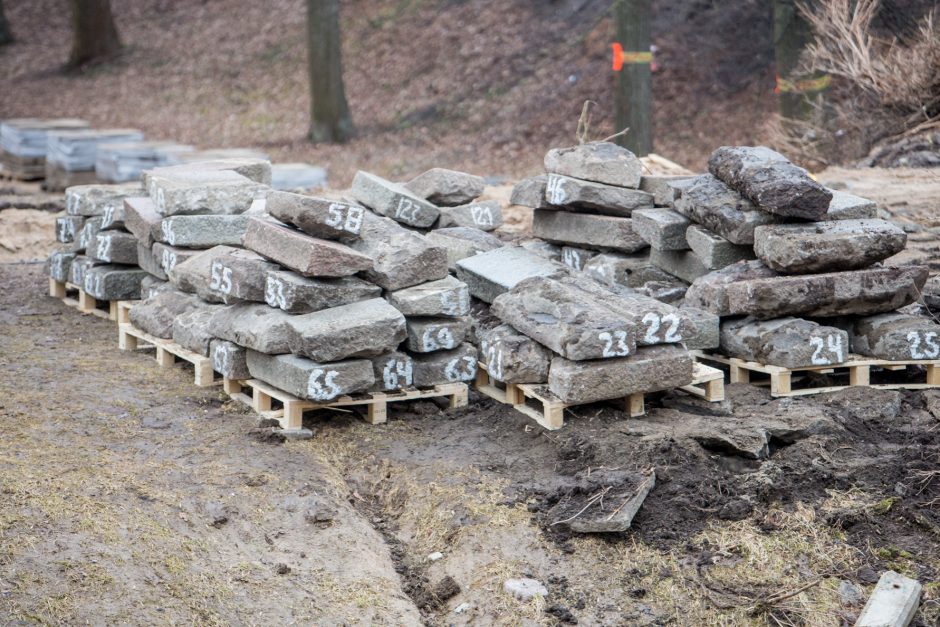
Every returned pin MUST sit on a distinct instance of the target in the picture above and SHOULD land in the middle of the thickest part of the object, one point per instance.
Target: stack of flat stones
(123, 162)
(71, 154)
(794, 270)
(585, 209)
(24, 142)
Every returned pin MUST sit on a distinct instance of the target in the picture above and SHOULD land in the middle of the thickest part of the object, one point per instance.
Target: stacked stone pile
(24, 143)
(125, 161)
(793, 269)
(71, 154)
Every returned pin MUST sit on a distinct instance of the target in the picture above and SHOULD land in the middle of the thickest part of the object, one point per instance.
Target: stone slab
(113, 217)
(446, 188)
(564, 191)
(67, 228)
(311, 380)
(366, 328)
(448, 297)
(223, 275)
(59, 263)
(454, 366)
(202, 231)
(141, 219)
(115, 247)
(512, 357)
(601, 162)
(596, 232)
(486, 216)
(893, 603)
(203, 192)
(714, 251)
(191, 330)
(400, 257)
(310, 256)
(683, 264)
(530, 192)
(169, 256)
(229, 359)
(786, 342)
(712, 204)
(661, 228)
(320, 217)
(79, 266)
(426, 334)
(543, 249)
(576, 258)
(662, 188)
(94, 200)
(296, 294)
(461, 242)
(393, 200)
(149, 263)
(155, 314)
(490, 274)
(88, 237)
(706, 334)
(393, 371)
(255, 169)
(113, 282)
(845, 206)
(253, 326)
(896, 336)
(616, 268)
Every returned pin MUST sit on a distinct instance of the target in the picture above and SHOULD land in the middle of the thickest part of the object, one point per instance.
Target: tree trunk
(329, 112)
(96, 37)
(797, 92)
(6, 35)
(633, 96)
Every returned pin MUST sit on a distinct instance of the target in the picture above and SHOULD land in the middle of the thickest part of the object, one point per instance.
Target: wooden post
(633, 94)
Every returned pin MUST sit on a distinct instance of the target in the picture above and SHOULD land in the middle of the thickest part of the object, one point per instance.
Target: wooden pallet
(291, 414)
(129, 338)
(82, 301)
(707, 383)
(858, 368)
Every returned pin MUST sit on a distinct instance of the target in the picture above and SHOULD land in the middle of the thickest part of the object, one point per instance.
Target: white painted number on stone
(461, 369)
(833, 345)
(481, 215)
(923, 345)
(455, 302)
(221, 278)
(494, 362)
(669, 323)
(615, 344)
(437, 338)
(222, 359)
(275, 293)
(103, 251)
(571, 258)
(398, 374)
(554, 190)
(109, 215)
(345, 217)
(406, 210)
(169, 260)
(321, 385)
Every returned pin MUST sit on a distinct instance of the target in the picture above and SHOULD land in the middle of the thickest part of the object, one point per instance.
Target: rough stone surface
(149, 262)
(155, 315)
(512, 357)
(229, 359)
(564, 191)
(661, 228)
(490, 274)
(524, 589)
(115, 247)
(319, 217)
(67, 228)
(713, 250)
(576, 258)
(462, 242)
(393, 371)
(706, 334)
(845, 206)
(651, 369)
(113, 217)
(931, 294)
(311, 380)
(486, 215)
(111, 282)
(203, 231)
(662, 188)
(896, 336)
(253, 169)
(562, 318)
(448, 297)
(223, 275)
(602, 162)
(310, 256)
(141, 219)
(458, 365)
(366, 328)
(393, 200)
(530, 192)
(893, 603)
(94, 200)
(447, 188)
(80, 265)
(218, 192)
(786, 342)
(543, 249)
(615, 268)
(827, 246)
(751, 288)
(426, 335)
(709, 202)
(597, 232)
(400, 258)
(151, 286)
(667, 292)
(253, 326)
(88, 238)
(684, 264)
(296, 294)
(170, 256)
(770, 181)
(59, 263)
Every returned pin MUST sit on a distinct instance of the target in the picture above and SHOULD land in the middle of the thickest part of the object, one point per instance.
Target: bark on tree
(95, 35)
(633, 95)
(6, 35)
(797, 92)
(329, 112)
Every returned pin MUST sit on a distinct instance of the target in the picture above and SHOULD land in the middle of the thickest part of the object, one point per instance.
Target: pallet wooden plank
(56, 288)
(129, 337)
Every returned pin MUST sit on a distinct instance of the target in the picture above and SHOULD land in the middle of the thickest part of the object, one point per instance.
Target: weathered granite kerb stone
(490, 274)
(113, 282)
(564, 191)
(616, 268)
(661, 228)
(88, 238)
(296, 294)
(713, 250)
(113, 217)
(393, 371)
(115, 247)
(566, 320)
(393, 200)
(684, 264)
(896, 336)
(223, 275)
(79, 266)
(720, 209)
(169, 256)
(588, 231)
(229, 360)
(310, 256)
(512, 357)
(530, 192)
(310, 380)
(751, 288)
(576, 258)
(218, 192)
(426, 335)
(149, 263)
(707, 330)
(191, 330)
(602, 162)
(845, 206)
(319, 217)
(827, 246)
(67, 228)
(786, 342)
(155, 315)
(141, 219)
(203, 231)
(440, 367)
(448, 297)
(367, 328)
(650, 370)
(94, 200)
(254, 326)
(662, 188)
(401, 258)
(59, 264)
(486, 215)
(770, 181)
(253, 169)
(150, 286)
(543, 249)
(462, 242)
(447, 188)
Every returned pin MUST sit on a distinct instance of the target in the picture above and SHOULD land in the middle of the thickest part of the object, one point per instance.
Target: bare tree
(329, 112)
(6, 35)
(95, 35)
